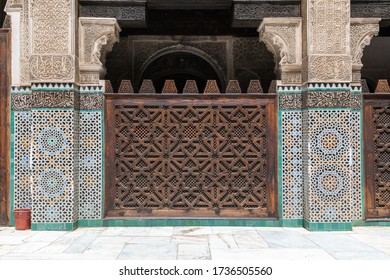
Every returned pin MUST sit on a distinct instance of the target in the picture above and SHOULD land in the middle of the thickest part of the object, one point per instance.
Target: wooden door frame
(5, 76)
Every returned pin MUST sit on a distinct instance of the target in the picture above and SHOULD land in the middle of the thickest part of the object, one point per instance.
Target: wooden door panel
(377, 156)
(192, 156)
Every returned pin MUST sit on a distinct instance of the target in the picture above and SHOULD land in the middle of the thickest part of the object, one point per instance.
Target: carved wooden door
(190, 155)
(377, 155)
(4, 126)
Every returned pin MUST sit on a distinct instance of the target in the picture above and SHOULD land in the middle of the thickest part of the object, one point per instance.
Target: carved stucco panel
(25, 44)
(97, 36)
(50, 26)
(283, 37)
(52, 68)
(362, 31)
(329, 22)
(329, 68)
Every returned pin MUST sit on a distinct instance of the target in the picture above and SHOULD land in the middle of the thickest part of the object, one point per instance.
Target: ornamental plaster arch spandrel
(97, 36)
(283, 38)
(362, 31)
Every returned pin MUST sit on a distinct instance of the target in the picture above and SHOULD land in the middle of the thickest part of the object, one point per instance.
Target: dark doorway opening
(180, 67)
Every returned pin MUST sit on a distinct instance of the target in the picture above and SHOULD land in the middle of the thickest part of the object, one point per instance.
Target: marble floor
(196, 243)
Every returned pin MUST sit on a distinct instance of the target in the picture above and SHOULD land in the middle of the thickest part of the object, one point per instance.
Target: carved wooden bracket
(362, 31)
(97, 36)
(283, 37)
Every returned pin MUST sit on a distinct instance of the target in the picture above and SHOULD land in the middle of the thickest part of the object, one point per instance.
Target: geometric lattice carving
(126, 87)
(147, 87)
(190, 87)
(365, 88)
(211, 87)
(272, 87)
(190, 159)
(169, 87)
(255, 87)
(233, 87)
(382, 87)
(381, 117)
(108, 86)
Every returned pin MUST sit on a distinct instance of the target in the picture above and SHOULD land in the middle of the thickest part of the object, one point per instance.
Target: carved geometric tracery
(199, 158)
(381, 117)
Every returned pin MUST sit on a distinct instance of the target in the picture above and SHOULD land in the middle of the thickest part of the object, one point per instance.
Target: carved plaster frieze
(60, 68)
(329, 68)
(97, 37)
(290, 101)
(362, 31)
(283, 37)
(91, 101)
(55, 99)
(13, 4)
(326, 99)
(21, 102)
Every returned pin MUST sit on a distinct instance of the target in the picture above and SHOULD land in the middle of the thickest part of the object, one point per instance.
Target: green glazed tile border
(361, 223)
(292, 223)
(54, 226)
(176, 222)
(280, 165)
(362, 178)
(103, 164)
(12, 179)
(90, 223)
(327, 226)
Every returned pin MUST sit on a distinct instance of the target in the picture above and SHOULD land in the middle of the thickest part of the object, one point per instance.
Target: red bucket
(22, 218)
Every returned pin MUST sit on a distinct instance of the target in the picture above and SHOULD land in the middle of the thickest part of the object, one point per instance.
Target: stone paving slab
(195, 243)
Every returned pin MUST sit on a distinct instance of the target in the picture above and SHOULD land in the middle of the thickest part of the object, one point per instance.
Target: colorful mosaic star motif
(292, 165)
(21, 156)
(90, 165)
(356, 179)
(326, 161)
(54, 165)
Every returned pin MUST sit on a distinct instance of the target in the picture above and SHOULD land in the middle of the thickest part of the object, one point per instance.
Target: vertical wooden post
(5, 65)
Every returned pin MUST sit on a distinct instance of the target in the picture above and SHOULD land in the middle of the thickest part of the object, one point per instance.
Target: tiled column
(327, 74)
(97, 37)
(290, 153)
(52, 70)
(91, 155)
(54, 156)
(283, 37)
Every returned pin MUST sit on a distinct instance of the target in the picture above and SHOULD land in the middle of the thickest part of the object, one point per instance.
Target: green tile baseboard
(90, 223)
(327, 226)
(54, 226)
(192, 222)
(361, 223)
(292, 223)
